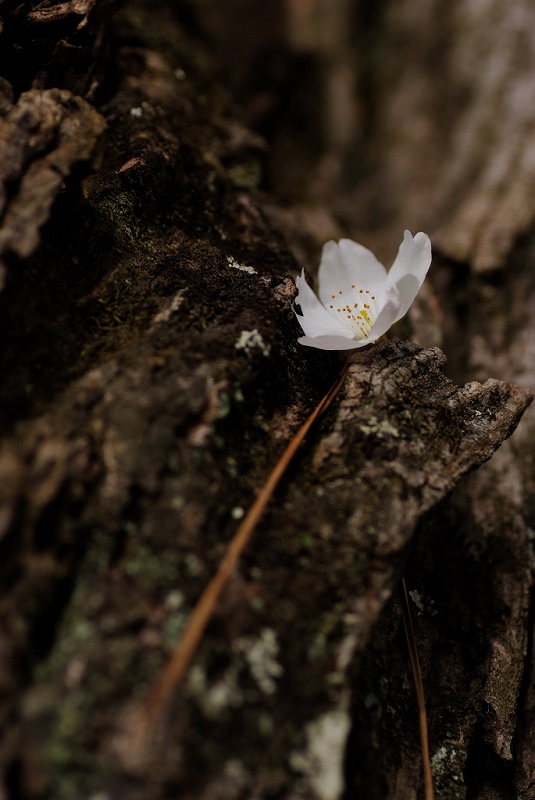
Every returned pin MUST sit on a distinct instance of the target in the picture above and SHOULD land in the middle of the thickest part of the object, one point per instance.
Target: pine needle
(174, 671)
(420, 696)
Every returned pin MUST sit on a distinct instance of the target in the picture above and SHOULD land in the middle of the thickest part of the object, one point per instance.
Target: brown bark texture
(164, 174)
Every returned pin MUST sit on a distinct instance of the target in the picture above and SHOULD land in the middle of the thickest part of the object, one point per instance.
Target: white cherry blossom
(358, 299)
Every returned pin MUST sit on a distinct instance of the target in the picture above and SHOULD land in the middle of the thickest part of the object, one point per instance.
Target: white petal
(358, 258)
(413, 258)
(407, 288)
(332, 342)
(400, 299)
(386, 317)
(316, 320)
(345, 264)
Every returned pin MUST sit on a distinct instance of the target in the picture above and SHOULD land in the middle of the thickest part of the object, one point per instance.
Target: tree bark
(152, 377)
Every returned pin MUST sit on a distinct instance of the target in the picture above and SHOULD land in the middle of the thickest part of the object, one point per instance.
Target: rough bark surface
(43, 136)
(51, 44)
(273, 680)
(151, 377)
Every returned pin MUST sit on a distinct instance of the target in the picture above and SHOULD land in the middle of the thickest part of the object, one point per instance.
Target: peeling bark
(42, 138)
(53, 44)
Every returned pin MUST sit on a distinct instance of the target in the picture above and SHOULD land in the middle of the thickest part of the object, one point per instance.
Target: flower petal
(386, 317)
(413, 258)
(345, 264)
(316, 320)
(332, 342)
(407, 288)
(400, 299)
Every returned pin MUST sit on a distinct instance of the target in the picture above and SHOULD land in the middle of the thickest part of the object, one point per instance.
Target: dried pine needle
(177, 666)
(420, 696)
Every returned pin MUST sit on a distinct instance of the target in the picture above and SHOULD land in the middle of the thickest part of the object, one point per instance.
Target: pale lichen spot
(168, 309)
(382, 429)
(175, 600)
(261, 654)
(250, 340)
(322, 760)
(416, 599)
(242, 267)
(447, 762)
(213, 699)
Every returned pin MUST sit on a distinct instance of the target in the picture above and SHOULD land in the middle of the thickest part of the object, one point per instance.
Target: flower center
(356, 308)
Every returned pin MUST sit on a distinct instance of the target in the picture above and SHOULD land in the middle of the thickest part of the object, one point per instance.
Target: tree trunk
(151, 377)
